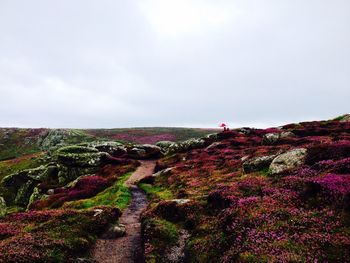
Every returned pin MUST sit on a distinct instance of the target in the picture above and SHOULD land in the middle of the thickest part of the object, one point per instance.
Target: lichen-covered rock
(79, 156)
(113, 148)
(52, 138)
(144, 151)
(165, 145)
(288, 160)
(187, 145)
(271, 138)
(35, 196)
(20, 185)
(68, 174)
(24, 193)
(3, 206)
(257, 163)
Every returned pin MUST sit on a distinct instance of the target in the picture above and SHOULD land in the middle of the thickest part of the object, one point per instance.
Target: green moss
(164, 230)
(116, 195)
(157, 192)
(163, 234)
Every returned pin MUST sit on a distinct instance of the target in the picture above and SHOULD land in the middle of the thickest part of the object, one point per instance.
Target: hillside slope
(273, 195)
(16, 142)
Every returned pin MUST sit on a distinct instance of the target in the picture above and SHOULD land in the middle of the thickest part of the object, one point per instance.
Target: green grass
(116, 195)
(15, 165)
(156, 192)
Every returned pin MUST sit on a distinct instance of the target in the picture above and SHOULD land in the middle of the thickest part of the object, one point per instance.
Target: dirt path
(127, 249)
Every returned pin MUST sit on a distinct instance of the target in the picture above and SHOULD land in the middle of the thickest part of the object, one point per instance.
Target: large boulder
(258, 163)
(288, 160)
(75, 161)
(144, 151)
(115, 149)
(19, 186)
(79, 156)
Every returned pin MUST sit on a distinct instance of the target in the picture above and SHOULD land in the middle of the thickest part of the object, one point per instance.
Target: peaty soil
(128, 248)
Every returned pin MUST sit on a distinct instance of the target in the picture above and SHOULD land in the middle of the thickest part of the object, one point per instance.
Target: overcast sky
(119, 63)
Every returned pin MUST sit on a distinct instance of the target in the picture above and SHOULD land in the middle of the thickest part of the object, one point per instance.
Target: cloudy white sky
(117, 63)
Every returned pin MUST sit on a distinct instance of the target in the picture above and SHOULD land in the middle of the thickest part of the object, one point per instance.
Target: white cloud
(178, 18)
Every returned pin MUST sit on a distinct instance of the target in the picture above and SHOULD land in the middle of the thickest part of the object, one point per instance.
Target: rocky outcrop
(52, 138)
(75, 161)
(288, 160)
(20, 185)
(144, 151)
(115, 149)
(257, 163)
(271, 138)
(177, 147)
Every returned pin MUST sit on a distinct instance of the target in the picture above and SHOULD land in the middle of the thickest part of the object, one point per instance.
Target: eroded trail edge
(128, 248)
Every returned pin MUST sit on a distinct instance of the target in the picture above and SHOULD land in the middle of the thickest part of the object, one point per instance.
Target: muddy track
(128, 248)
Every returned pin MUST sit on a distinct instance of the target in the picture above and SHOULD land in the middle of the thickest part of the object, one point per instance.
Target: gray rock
(258, 163)
(113, 148)
(3, 206)
(180, 201)
(288, 160)
(187, 145)
(163, 172)
(51, 138)
(213, 145)
(144, 151)
(115, 231)
(271, 138)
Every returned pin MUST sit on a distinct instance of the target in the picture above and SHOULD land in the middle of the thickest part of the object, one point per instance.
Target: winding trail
(127, 249)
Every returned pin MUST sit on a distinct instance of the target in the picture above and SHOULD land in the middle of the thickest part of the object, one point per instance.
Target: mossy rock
(79, 156)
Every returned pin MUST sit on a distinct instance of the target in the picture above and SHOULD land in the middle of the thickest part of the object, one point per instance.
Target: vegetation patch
(117, 195)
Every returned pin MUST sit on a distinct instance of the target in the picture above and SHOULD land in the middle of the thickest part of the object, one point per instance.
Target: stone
(22, 184)
(187, 145)
(144, 151)
(24, 193)
(288, 160)
(151, 178)
(115, 231)
(52, 138)
(79, 156)
(180, 201)
(3, 207)
(271, 138)
(258, 163)
(115, 149)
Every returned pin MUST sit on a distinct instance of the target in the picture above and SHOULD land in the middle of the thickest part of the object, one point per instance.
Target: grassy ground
(116, 195)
